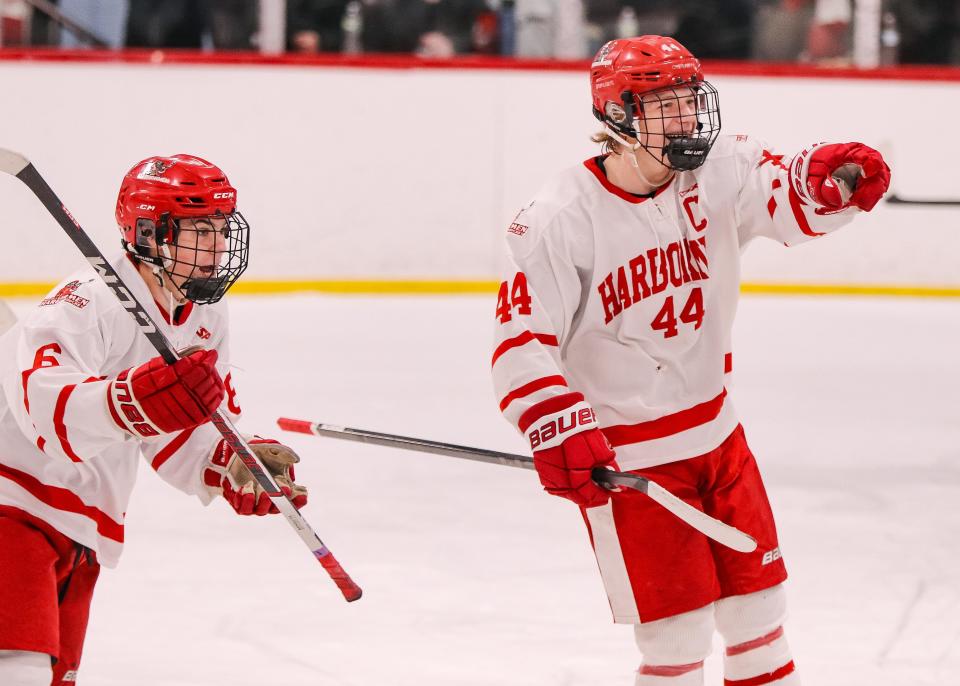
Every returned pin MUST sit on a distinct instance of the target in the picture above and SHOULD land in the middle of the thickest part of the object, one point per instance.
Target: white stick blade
(12, 162)
(712, 528)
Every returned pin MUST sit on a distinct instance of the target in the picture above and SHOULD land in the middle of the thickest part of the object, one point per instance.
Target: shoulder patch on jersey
(515, 226)
(67, 294)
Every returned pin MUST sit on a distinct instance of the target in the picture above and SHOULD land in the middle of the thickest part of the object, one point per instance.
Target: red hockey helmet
(162, 188)
(626, 70)
(157, 193)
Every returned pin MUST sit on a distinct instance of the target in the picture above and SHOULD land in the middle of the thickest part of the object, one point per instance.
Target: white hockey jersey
(631, 300)
(62, 457)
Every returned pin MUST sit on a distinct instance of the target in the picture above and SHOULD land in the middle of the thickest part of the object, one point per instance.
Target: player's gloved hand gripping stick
(713, 528)
(16, 165)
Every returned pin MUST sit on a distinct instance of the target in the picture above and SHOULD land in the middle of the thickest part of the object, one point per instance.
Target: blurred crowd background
(805, 31)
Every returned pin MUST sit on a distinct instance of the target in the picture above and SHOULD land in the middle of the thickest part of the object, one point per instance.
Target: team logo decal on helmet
(154, 170)
(649, 92)
(603, 54)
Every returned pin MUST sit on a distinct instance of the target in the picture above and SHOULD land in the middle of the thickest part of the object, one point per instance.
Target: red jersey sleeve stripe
(59, 427)
(532, 387)
(625, 434)
(170, 448)
(67, 501)
(728, 363)
(26, 377)
(772, 202)
(522, 339)
(797, 206)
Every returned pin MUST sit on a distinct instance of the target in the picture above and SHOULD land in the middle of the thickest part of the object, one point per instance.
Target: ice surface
(473, 576)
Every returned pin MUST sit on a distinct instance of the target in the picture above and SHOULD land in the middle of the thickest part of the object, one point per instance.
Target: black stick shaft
(422, 445)
(698, 519)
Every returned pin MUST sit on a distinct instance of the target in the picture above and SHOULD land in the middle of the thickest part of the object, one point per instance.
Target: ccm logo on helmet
(562, 425)
(146, 207)
(221, 196)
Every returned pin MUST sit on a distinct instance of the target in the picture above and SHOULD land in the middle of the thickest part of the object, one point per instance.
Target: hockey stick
(895, 199)
(701, 521)
(20, 167)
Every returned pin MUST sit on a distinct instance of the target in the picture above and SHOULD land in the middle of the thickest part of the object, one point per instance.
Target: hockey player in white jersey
(612, 347)
(85, 396)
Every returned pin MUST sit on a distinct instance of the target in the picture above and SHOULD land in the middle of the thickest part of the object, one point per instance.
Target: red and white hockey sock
(757, 652)
(674, 648)
(763, 660)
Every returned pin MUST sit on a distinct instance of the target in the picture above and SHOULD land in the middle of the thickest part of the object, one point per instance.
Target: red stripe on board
(59, 427)
(406, 61)
(545, 407)
(170, 448)
(67, 501)
(669, 670)
(625, 434)
(531, 387)
(728, 363)
(796, 204)
(763, 678)
(522, 339)
(747, 646)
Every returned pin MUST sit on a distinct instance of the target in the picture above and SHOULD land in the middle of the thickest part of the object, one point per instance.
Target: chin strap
(632, 147)
(159, 272)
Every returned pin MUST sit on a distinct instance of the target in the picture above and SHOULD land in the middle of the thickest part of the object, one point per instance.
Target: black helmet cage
(201, 287)
(681, 152)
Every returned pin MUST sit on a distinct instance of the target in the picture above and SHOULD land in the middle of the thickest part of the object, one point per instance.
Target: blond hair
(609, 143)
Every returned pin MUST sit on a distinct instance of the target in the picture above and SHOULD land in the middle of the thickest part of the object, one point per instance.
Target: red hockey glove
(567, 447)
(237, 485)
(860, 168)
(159, 398)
